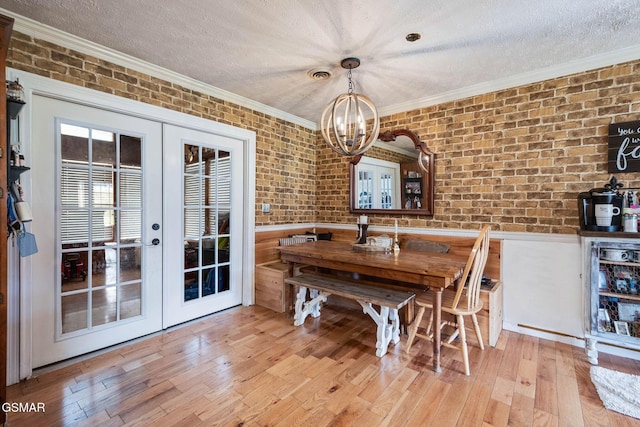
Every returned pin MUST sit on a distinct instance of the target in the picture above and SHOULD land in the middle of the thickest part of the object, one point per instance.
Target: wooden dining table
(417, 270)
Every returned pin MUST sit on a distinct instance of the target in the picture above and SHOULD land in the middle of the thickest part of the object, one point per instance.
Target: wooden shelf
(624, 263)
(13, 108)
(609, 234)
(621, 296)
(15, 172)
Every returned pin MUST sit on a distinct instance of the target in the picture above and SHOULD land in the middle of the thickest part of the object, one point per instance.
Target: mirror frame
(427, 178)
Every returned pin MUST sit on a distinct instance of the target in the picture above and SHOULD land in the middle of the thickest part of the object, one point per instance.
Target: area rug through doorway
(618, 391)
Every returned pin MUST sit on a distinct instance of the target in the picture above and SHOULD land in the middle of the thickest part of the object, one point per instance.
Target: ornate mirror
(395, 176)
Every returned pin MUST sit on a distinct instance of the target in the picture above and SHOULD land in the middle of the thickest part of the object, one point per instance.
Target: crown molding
(44, 32)
(567, 68)
(53, 35)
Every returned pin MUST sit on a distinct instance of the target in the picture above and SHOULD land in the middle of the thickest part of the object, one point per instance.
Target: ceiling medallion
(350, 122)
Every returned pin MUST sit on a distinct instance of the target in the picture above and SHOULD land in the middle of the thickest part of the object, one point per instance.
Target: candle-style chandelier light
(350, 123)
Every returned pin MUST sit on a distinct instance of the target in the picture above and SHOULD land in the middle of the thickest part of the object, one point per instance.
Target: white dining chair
(460, 302)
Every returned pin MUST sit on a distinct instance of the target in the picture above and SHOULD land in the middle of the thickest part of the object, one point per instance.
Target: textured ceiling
(263, 49)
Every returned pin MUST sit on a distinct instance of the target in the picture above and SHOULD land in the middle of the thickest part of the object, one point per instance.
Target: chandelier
(344, 122)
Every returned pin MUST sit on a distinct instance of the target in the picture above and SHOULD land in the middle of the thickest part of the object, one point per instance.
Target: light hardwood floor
(250, 367)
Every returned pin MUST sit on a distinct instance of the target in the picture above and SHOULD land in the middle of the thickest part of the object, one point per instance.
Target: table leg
(290, 294)
(437, 320)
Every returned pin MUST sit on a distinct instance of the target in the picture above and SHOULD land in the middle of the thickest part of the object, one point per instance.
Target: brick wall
(285, 152)
(516, 158)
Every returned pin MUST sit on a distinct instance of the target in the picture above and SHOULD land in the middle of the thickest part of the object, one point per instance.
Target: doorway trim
(34, 84)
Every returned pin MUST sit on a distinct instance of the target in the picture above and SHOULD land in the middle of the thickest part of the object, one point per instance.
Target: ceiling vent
(319, 74)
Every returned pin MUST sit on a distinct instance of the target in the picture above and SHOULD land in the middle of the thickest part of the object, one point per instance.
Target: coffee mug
(23, 211)
(615, 255)
(604, 213)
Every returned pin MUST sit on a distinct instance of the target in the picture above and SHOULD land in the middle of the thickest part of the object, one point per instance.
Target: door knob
(155, 242)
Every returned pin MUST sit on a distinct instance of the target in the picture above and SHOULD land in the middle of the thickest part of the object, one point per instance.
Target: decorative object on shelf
(610, 254)
(622, 328)
(344, 122)
(24, 211)
(630, 223)
(15, 91)
(628, 312)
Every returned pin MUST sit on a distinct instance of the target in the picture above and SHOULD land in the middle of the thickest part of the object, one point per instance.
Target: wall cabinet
(612, 290)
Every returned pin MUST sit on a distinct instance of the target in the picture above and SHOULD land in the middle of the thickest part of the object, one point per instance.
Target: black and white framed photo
(622, 328)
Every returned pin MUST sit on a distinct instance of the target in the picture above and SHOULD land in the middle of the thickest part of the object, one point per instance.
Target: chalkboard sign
(624, 147)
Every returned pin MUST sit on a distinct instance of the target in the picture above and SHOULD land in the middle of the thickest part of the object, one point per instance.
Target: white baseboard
(572, 340)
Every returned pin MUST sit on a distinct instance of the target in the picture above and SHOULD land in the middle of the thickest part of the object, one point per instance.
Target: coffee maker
(600, 209)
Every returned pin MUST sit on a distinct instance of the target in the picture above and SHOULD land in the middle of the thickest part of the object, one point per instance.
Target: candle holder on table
(362, 233)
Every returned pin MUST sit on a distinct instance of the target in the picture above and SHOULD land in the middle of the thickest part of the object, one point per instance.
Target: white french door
(97, 278)
(203, 175)
(140, 225)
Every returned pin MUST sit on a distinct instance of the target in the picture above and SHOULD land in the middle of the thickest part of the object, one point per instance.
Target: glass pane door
(377, 185)
(100, 228)
(203, 210)
(97, 277)
(207, 210)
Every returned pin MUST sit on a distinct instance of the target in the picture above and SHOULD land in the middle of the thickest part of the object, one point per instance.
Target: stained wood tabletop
(418, 268)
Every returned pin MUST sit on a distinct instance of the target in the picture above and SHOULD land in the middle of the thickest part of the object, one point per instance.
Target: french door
(203, 179)
(97, 203)
(138, 224)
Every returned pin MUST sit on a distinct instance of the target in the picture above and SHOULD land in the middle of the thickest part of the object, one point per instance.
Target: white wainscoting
(543, 286)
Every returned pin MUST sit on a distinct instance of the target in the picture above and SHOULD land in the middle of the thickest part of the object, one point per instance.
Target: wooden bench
(320, 287)
(271, 292)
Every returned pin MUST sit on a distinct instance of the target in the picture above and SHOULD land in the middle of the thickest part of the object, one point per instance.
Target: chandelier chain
(350, 91)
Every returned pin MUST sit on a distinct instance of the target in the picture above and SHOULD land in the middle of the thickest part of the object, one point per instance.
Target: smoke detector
(319, 74)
